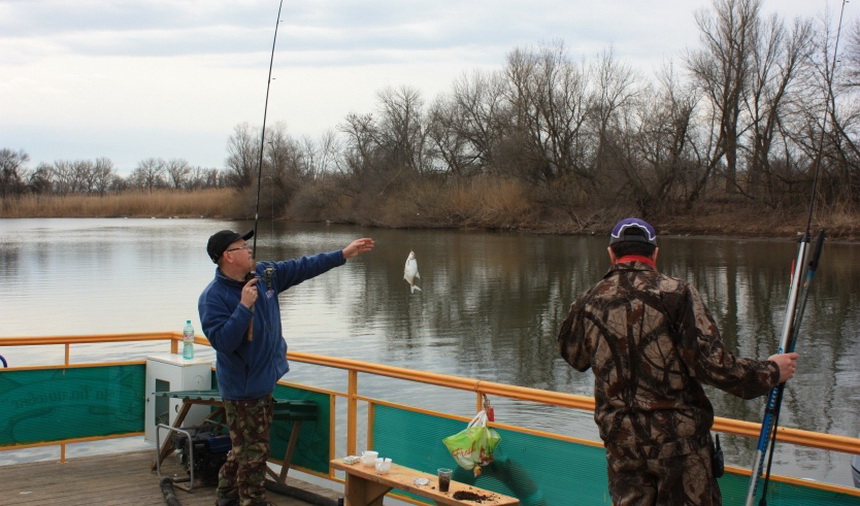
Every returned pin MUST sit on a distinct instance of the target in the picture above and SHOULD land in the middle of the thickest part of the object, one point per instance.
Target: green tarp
(55, 405)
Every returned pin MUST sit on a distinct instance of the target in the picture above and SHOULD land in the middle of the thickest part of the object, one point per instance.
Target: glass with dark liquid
(444, 479)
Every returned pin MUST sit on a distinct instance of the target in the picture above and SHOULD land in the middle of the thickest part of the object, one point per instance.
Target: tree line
(99, 177)
(749, 115)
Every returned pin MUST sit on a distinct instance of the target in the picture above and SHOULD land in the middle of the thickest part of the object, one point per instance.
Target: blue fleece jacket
(249, 369)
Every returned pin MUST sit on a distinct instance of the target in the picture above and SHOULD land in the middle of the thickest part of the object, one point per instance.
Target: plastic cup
(444, 479)
(368, 458)
(383, 465)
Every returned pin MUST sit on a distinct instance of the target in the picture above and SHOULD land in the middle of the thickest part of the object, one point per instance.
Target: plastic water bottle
(188, 341)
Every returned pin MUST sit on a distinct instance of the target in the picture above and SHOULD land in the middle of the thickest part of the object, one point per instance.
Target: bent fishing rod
(803, 273)
(269, 270)
(263, 132)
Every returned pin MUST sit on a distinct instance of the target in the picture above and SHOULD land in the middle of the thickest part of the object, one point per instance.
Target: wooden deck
(120, 479)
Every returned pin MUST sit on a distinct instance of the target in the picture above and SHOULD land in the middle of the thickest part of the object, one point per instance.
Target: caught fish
(410, 272)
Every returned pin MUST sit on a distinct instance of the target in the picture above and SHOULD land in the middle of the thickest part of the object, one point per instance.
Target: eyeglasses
(247, 247)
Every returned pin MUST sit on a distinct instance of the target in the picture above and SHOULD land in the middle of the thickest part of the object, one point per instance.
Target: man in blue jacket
(241, 317)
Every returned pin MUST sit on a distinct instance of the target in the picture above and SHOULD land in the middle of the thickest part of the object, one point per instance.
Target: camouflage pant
(242, 475)
(685, 480)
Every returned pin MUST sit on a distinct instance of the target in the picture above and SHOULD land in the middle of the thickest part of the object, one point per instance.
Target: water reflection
(490, 308)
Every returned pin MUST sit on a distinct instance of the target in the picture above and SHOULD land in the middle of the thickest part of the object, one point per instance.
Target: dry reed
(482, 202)
(133, 204)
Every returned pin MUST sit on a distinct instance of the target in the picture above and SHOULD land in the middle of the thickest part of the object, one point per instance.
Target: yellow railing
(68, 340)
(354, 367)
(726, 425)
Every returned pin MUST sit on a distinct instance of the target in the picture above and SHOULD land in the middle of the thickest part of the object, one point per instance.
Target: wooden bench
(282, 410)
(367, 487)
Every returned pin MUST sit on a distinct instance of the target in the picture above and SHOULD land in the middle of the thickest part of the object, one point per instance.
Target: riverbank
(501, 209)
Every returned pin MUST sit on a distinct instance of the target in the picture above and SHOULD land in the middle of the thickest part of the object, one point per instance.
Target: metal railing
(480, 388)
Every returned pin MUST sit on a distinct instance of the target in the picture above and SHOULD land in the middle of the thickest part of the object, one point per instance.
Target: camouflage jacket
(652, 343)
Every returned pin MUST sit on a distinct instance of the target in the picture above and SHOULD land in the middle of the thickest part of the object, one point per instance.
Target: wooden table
(367, 487)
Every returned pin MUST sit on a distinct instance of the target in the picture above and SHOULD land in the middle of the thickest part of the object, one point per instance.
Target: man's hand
(249, 293)
(358, 247)
(787, 363)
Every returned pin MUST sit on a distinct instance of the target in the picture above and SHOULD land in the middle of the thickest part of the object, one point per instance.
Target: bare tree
(449, 140)
(660, 159)
(550, 104)
(12, 167)
(328, 151)
(833, 138)
(41, 179)
(778, 59)
(212, 178)
(103, 176)
(284, 169)
(613, 96)
(177, 171)
(149, 174)
(467, 127)
(244, 156)
(117, 183)
(402, 131)
(721, 68)
(198, 178)
(84, 174)
(63, 177)
(852, 57)
(362, 143)
(310, 156)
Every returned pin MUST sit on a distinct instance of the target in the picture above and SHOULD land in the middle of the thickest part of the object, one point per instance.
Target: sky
(172, 79)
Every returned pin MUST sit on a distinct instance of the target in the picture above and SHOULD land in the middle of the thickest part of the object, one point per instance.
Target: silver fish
(410, 272)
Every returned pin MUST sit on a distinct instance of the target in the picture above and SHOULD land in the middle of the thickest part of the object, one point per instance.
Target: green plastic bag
(473, 447)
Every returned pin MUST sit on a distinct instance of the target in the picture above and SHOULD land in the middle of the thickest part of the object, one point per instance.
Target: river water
(490, 308)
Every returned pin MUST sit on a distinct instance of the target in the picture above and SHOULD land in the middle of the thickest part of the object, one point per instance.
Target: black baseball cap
(633, 229)
(219, 241)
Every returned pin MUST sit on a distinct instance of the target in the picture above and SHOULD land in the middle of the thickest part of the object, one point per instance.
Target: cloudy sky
(128, 80)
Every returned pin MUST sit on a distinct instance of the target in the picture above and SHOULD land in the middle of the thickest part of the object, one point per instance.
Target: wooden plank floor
(117, 479)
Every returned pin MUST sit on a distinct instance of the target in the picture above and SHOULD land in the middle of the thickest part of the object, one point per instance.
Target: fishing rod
(263, 132)
(269, 270)
(813, 266)
(797, 298)
(774, 398)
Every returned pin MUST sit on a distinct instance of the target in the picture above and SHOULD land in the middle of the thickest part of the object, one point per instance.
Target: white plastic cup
(383, 465)
(368, 458)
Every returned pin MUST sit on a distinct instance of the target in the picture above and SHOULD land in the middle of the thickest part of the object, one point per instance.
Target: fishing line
(829, 77)
(794, 313)
(263, 132)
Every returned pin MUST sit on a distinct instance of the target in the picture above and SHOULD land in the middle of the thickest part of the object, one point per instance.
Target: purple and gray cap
(633, 229)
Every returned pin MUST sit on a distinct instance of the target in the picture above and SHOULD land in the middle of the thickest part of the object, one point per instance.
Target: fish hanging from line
(410, 272)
